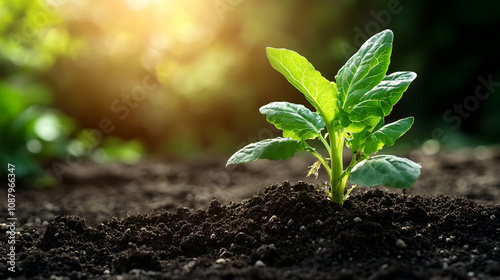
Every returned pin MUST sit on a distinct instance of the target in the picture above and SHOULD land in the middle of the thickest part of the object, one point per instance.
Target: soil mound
(287, 231)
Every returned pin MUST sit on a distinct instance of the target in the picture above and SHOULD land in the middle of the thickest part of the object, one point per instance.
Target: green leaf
(320, 92)
(296, 121)
(387, 135)
(366, 114)
(356, 141)
(365, 69)
(378, 102)
(390, 90)
(386, 170)
(273, 149)
(379, 124)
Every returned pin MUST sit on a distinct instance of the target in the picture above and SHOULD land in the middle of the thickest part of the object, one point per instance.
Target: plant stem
(349, 168)
(338, 182)
(325, 143)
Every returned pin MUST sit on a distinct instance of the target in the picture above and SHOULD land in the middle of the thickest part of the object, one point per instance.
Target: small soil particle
(400, 244)
(259, 263)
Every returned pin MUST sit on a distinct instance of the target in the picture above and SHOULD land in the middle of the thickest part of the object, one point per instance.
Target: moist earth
(194, 219)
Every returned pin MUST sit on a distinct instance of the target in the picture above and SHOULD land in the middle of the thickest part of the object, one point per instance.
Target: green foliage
(273, 149)
(353, 113)
(296, 121)
(320, 92)
(31, 131)
(114, 149)
(34, 37)
(385, 170)
(34, 134)
(364, 70)
(385, 135)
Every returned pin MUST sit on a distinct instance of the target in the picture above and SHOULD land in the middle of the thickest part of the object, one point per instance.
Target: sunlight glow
(137, 5)
(153, 32)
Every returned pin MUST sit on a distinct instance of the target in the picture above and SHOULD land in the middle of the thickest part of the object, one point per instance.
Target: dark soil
(127, 222)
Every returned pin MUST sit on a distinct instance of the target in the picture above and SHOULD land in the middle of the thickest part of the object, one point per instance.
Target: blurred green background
(117, 80)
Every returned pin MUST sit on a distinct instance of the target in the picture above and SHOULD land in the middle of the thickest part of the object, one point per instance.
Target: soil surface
(195, 219)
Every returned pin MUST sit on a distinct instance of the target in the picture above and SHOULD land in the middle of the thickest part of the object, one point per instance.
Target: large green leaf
(386, 170)
(296, 121)
(273, 149)
(369, 109)
(365, 69)
(320, 92)
(387, 135)
(390, 90)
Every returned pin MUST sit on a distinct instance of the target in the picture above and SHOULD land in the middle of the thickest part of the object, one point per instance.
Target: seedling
(352, 110)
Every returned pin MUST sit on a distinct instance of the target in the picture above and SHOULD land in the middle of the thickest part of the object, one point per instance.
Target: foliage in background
(33, 132)
(30, 131)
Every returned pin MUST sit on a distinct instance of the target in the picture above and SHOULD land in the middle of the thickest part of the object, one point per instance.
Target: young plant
(352, 110)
